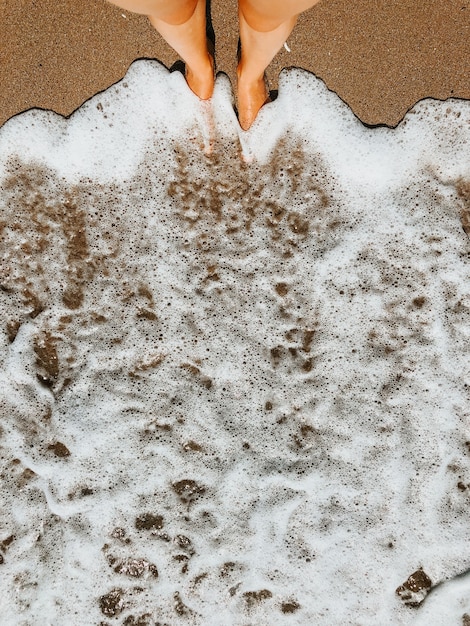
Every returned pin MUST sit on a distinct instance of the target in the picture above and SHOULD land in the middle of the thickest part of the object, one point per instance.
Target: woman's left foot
(202, 82)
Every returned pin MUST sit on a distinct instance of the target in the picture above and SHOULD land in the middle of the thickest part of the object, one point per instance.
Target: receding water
(235, 369)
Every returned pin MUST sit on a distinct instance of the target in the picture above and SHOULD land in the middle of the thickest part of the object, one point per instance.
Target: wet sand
(57, 55)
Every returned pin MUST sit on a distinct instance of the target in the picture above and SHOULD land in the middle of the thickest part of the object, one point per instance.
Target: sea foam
(235, 373)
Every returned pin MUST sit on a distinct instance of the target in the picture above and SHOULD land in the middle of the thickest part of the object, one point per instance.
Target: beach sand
(235, 390)
(57, 55)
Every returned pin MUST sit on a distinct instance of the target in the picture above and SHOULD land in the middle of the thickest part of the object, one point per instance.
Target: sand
(381, 62)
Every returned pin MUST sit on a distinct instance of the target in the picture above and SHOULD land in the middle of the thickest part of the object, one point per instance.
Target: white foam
(251, 373)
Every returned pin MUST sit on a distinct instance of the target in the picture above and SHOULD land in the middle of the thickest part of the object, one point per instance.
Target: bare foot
(252, 94)
(201, 80)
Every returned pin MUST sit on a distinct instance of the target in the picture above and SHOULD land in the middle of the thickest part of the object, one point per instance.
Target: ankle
(200, 77)
(248, 76)
(201, 66)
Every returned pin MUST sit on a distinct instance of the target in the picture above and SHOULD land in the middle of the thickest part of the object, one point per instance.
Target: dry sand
(380, 57)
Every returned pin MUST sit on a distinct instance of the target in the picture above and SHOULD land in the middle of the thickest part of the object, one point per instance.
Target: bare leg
(182, 23)
(264, 27)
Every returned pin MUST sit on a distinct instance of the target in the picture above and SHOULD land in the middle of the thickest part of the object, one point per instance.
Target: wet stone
(112, 603)
(61, 450)
(188, 490)
(183, 542)
(227, 568)
(134, 568)
(290, 607)
(131, 567)
(255, 597)
(414, 590)
(138, 620)
(118, 533)
(149, 521)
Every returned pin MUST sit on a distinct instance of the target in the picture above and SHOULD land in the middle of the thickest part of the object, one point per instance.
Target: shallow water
(234, 390)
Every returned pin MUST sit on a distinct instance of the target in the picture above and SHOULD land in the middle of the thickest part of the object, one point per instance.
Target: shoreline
(379, 63)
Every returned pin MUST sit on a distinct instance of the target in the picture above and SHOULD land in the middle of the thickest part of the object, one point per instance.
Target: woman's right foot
(252, 95)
